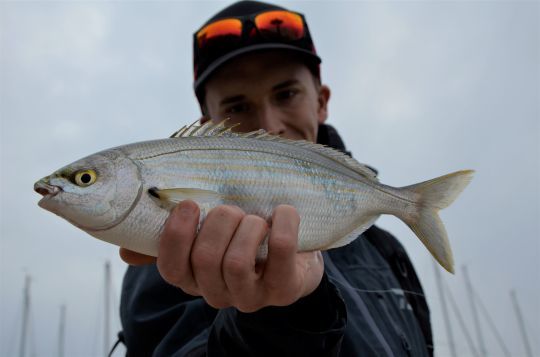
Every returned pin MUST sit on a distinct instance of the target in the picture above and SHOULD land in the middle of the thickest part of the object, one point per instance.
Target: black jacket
(369, 303)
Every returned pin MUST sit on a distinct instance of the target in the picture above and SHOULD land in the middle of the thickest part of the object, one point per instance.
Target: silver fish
(123, 195)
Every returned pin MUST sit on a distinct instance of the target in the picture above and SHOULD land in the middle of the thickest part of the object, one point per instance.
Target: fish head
(93, 193)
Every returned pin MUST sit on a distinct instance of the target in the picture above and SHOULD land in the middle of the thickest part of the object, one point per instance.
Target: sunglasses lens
(227, 29)
(280, 24)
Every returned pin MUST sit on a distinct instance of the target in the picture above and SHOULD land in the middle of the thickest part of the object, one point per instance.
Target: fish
(123, 195)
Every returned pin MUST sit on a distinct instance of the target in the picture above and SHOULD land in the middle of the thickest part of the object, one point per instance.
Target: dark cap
(205, 64)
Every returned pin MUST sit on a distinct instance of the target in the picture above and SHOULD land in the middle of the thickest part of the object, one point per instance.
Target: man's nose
(270, 120)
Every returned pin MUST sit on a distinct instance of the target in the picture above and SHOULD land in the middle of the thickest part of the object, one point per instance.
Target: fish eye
(85, 178)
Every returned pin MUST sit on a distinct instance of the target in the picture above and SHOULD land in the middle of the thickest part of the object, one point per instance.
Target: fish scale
(255, 190)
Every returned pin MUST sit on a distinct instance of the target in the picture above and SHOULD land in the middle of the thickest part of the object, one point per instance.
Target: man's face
(268, 90)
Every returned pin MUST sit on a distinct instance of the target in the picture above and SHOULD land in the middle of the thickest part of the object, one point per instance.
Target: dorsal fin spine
(211, 129)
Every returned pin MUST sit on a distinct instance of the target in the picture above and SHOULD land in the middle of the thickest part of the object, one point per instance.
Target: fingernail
(186, 208)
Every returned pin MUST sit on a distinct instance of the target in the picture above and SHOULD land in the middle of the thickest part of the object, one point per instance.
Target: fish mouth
(46, 190)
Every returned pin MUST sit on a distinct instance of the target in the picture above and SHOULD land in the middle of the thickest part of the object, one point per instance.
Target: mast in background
(26, 315)
(106, 330)
(62, 331)
(445, 311)
(521, 323)
(481, 345)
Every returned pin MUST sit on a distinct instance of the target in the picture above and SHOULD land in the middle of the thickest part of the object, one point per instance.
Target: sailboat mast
(26, 315)
(481, 345)
(106, 329)
(62, 331)
(521, 323)
(445, 311)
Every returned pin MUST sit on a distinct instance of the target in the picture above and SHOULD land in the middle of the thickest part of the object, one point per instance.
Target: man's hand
(219, 263)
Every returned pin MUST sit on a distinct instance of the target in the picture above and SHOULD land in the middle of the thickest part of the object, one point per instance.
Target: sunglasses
(270, 25)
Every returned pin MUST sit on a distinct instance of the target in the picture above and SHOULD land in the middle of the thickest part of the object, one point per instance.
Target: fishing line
(394, 291)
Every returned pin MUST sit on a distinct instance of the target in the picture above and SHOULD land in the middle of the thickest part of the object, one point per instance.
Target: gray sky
(419, 89)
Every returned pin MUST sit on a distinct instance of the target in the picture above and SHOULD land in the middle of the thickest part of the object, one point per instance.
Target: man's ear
(323, 98)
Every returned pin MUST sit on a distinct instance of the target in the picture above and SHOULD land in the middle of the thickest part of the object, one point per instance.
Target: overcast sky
(419, 89)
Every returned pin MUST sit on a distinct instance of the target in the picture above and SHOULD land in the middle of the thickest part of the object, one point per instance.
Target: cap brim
(258, 47)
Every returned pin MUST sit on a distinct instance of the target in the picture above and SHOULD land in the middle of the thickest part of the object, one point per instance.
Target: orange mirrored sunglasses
(277, 24)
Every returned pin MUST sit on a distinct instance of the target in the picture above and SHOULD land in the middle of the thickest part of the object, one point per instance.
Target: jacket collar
(329, 136)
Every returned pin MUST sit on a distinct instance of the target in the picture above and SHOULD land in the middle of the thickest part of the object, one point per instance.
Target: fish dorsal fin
(211, 129)
(334, 155)
(207, 129)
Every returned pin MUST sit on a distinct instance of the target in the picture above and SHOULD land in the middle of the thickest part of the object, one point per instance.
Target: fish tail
(434, 195)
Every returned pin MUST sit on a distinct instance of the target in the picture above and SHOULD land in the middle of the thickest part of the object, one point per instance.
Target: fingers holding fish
(176, 242)
(282, 250)
(239, 264)
(208, 251)
(220, 264)
(224, 263)
(286, 277)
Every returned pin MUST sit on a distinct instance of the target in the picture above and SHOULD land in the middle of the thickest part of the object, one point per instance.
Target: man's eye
(237, 108)
(286, 94)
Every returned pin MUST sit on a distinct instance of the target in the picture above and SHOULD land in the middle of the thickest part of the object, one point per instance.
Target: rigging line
(474, 312)
(492, 325)
(460, 320)
(521, 323)
(113, 348)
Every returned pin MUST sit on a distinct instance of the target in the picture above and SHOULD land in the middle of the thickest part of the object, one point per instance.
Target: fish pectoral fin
(169, 197)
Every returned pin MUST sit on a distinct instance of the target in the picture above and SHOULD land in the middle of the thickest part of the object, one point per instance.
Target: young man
(255, 63)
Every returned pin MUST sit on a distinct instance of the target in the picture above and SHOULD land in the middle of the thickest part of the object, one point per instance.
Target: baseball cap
(248, 26)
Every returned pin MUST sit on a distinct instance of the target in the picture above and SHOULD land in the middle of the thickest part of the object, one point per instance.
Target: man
(255, 63)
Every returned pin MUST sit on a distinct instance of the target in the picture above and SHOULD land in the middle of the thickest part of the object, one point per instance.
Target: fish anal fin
(348, 238)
